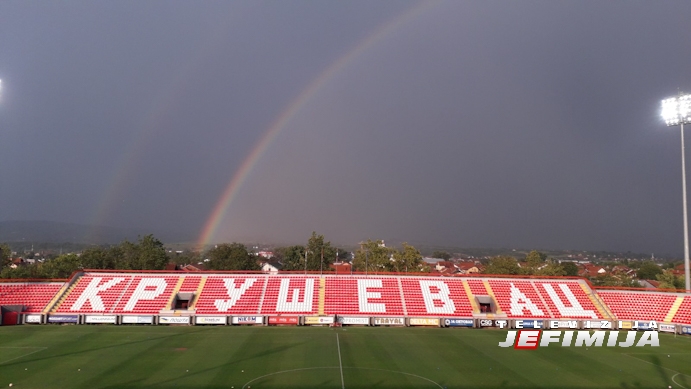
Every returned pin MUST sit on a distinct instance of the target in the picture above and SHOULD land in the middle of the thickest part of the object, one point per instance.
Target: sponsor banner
(364, 321)
(686, 330)
(487, 323)
(210, 320)
(458, 322)
(247, 320)
(529, 324)
(571, 324)
(668, 328)
(107, 319)
(63, 319)
(32, 319)
(389, 321)
(283, 320)
(173, 320)
(421, 321)
(625, 325)
(129, 319)
(319, 320)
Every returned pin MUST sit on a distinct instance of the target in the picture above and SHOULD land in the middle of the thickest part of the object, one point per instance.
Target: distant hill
(58, 232)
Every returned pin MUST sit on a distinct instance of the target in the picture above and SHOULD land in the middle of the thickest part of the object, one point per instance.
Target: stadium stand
(112, 292)
(632, 305)
(32, 295)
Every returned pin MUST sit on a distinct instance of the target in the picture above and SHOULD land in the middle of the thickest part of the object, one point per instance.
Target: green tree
(320, 254)
(62, 266)
(147, 254)
(502, 265)
(97, 258)
(648, 271)
(441, 255)
(551, 268)
(292, 257)
(5, 255)
(670, 281)
(408, 259)
(570, 268)
(232, 256)
(373, 256)
(534, 260)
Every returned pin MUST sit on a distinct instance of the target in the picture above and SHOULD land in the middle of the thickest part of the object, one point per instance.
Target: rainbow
(231, 190)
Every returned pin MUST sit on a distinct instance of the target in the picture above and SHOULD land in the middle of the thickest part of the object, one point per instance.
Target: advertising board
(247, 320)
(283, 320)
(173, 320)
(537, 324)
(210, 320)
(319, 320)
(686, 330)
(131, 319)
(668, 328)
(458, 322)
(389, 321)
(363, 321)
(63, 318)
(570, 324)
(104, 319)
(423, 321)
(625, 325)
(33, 319)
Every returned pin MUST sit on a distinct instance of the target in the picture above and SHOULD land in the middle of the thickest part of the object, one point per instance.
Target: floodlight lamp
(676, 110)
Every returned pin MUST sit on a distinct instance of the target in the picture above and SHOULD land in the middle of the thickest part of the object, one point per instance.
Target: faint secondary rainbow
(231, 190)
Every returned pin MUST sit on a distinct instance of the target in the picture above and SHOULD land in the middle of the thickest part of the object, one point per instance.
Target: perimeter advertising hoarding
(686, 330)
(536, 324)
(389, 321)
(625, 325)
(137, 319)
(173, 320)
(283, 320)
(423, 321)
(107, 319)
(63, 319)
(668, 328)
(458, 322)
(363, 321)
(319, 320)
(247, 320)
(32, 319)
(210, 320)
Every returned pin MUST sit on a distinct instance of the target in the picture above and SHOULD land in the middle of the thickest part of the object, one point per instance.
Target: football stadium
(112, 329)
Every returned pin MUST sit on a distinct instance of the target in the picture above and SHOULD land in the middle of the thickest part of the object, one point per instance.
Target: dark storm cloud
(531, 124)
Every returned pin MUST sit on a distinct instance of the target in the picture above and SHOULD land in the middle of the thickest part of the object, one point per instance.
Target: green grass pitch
(304, 357)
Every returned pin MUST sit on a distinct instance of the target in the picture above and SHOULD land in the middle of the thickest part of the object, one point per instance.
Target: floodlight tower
(676, 111)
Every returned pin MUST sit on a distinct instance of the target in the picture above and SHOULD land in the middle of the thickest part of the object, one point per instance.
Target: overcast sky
(531, 124)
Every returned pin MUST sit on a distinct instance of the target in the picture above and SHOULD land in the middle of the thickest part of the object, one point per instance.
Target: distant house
(649, 284)
(341, 267)
(271, 267)
(468, 267)
(193, 267)
(590, 270)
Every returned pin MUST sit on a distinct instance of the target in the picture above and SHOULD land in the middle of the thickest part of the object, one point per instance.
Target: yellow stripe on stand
(322, 294)
(198, 293)
(175, 292)
(491, 293)
(674, 309)
(473, 302)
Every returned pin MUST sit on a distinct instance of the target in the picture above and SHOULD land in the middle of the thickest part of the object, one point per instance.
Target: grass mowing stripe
(340, 363)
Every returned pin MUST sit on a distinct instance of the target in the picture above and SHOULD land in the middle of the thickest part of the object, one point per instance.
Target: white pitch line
(340, 364)
(676, 381)
(25, 355)
(666, 368)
